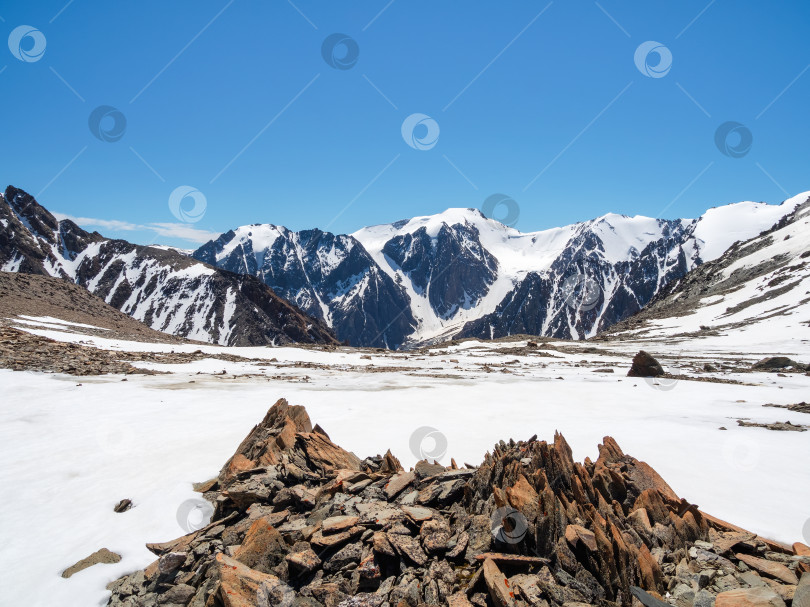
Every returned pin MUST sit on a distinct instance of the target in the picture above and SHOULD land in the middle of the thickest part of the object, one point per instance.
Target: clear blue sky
(514, 95)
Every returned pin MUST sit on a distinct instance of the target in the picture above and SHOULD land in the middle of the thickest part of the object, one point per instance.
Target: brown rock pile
(300, 522)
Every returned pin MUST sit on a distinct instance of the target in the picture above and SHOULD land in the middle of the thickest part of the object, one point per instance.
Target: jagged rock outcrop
(298, 521)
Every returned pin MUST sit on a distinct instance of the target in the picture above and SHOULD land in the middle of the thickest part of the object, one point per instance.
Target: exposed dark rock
(779, 426)
(773, 363)
(801, 407)
(366, 306)
(645, 365)
(727, 274)
(23, 351)
(124, 505)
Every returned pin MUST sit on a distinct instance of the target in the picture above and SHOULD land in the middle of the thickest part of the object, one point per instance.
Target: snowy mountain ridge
(757, 290)
(459, 273)
(164, 289)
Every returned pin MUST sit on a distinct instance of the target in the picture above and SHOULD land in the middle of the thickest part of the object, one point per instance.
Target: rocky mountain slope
(298, 521)
(166, 290)
(758, 286)
(24, 297)
(459, 274)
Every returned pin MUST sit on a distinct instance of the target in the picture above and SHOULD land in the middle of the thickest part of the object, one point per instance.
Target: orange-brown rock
(241, 586)
(575, 534)
(458, 599)
(601, 526)
(651, 574)
(511, 559)
(338, 523)
(398, 483)
(645, 477)
(522, 495)
(640, 521)
(260, 446)
(304, 560)
(382, 545)
(390, 463)
(324, 455)
(262, 547)
(785, 591)
(497, 584)
(594, 516)
(727, 540)
(333, 540)
(152, 570)
(761, 596)
(722, 525)
(181, 544)
(239, 463)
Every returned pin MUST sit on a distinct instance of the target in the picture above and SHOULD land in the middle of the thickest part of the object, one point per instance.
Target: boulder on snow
(645, 365)
(777, 362)
(122, 506)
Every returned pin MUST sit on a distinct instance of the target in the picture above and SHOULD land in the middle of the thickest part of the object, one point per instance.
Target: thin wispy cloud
(183, 231)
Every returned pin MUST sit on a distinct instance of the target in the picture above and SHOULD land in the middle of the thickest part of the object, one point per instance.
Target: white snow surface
(719, 227)
(261, 236)
(72, 447)
(51, 322)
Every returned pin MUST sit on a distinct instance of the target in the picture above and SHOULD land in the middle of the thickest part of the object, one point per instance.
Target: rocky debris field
(22, 351)
(298, 521)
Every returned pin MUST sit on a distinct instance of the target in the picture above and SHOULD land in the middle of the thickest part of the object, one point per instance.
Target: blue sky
(540, 101)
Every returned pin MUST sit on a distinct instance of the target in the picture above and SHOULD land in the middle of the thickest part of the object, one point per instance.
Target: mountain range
(167, 290)
(460, 274)
(412, 282)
